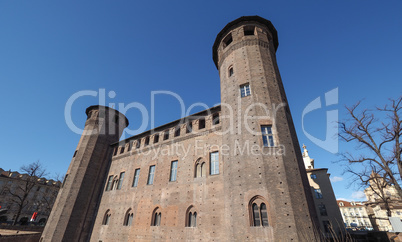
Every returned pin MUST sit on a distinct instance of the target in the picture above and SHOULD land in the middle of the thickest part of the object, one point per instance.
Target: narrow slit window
(121, 149)
(138, 144)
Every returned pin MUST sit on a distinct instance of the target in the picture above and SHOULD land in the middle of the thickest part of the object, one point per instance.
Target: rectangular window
(136, 177)
(245, 90)
(214, 163)
(115, 150)
(231, 71)
(121, 149)
(173, 171)
(151, 175)
(166, 135)
(215, 119)
(323, 209)
(201, 123)
(177, 132)
(138, 144)
(130, 146)
(313, 176)
(120, 180)
(327, 226)
(146, 141)
(249, 30)
(267, 136)
(318, 193)
(189, 127)
(227, 40)
(109, 183)
(156, 138)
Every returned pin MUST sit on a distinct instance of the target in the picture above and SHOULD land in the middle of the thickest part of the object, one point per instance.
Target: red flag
(34, 216)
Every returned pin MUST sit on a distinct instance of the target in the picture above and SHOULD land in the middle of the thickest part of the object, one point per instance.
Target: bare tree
(19, 193)
(378, 142)
(375, 182)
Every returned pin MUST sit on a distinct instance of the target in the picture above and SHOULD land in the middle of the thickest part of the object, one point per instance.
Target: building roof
(349, 204)
(21, 176)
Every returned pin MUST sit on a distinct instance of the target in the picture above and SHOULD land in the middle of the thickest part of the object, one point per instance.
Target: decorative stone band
(240, 44)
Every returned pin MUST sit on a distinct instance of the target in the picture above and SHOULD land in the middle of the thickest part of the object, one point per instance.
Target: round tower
(264, 168)
(75, 208)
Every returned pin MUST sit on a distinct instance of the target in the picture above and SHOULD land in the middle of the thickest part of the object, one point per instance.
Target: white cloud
(336, 179)
(358, 195)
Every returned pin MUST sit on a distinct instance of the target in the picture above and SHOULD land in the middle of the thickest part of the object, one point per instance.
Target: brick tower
(263, 169)
(75, 208)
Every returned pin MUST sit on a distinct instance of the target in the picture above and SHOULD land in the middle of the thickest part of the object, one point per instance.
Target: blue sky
(50, 50)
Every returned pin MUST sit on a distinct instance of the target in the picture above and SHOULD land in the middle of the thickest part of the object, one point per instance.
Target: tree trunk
(17, 216)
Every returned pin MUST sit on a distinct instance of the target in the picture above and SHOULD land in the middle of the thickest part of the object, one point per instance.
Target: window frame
(136, 177)
(214, 164)
(267, 133)
(318, 193)
(151, 181)
(173, 170)
(120, 181)
(245, 90)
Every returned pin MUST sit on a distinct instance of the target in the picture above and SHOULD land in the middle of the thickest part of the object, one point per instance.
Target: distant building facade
(40, 199)
(329, 216)
(211, 176)
(355, 215)
(377, 208)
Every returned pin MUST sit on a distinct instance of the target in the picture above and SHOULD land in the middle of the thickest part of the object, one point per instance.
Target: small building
(355, 215)
(40, 198)
(382, 205)
(328, 213)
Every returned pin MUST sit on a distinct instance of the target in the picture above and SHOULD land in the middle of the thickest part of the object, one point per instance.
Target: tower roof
(255, 18)
(106, 108)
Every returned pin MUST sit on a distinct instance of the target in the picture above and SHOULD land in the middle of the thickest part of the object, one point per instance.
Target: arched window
(264, 215)
(191, 217)
(106, 218)
(128, 219)
(200, 168)
(258, 212)
(156, 217)
(256, 215)
(115, 181)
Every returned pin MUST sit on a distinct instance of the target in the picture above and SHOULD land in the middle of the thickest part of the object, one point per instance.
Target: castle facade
(230, 173)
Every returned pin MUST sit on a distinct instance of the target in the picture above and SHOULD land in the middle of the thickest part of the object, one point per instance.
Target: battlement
(185, 128)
